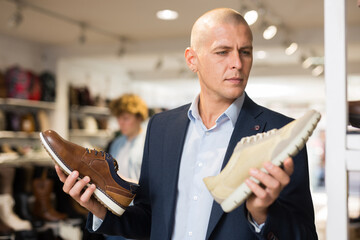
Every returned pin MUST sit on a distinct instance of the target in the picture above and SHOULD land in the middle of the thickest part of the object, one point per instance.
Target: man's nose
(236, 61)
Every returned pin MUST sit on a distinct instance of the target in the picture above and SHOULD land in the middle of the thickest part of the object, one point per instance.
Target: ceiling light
(311, 61)
(251, 16)
(318, 70)
(82, 36)
(260, 54)
(307, 62)
(270, 32)
(122, 50)
(159, 63)
(167, 14)
(291, 49)
(16, 19)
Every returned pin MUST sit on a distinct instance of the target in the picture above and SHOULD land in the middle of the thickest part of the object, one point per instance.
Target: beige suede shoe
(228, 188)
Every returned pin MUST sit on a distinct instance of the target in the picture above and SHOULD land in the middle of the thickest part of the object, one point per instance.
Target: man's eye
(221, 53)
(245, 53)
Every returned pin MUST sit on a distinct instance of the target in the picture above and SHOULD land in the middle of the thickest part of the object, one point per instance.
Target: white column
(336, 114)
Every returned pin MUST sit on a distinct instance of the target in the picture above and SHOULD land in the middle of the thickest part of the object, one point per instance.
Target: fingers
(272, 185)
(289, 166)
(273, 181)
(75, 186)
(81, 191)
(279, 174)
(85, 197)
(60, 173)
(70, 181)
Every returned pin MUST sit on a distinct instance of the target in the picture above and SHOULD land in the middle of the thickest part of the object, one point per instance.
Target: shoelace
(257, 137)
(107, 157)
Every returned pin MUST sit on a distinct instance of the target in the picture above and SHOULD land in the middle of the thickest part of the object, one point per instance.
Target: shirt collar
(232, 112)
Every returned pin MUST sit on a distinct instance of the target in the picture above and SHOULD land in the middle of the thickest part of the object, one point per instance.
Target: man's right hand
(79, 192)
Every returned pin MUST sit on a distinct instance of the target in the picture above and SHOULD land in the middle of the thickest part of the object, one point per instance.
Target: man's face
(224, 61)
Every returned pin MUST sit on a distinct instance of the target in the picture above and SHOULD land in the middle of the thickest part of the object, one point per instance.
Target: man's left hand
(273, 182)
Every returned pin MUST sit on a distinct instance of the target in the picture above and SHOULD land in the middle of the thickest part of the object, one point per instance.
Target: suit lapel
(248, 123)
(175, 132)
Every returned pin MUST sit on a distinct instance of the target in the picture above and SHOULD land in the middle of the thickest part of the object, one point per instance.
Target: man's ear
(191, 59)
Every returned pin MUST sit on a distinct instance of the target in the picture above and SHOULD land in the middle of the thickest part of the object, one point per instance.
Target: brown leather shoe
(354, 113)
(111, 190)
(43, 208)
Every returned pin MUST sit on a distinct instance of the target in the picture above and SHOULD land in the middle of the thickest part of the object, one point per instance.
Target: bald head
(211, 19)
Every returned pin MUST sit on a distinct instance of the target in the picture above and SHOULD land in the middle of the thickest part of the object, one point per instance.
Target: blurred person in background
(130, 112)
(127, 148)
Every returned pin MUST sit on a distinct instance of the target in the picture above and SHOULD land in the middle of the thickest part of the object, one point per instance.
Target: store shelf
(353, 160)
(14, 159)
(14, 102)
(353, 151)
(86, 133)
(18, 135)
(353, 140)
(89, 110)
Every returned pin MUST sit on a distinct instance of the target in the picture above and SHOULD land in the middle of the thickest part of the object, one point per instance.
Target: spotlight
(313, 61)
(260, 54)
(16, 19)
(251, 16)
(307, 62)
(291, 49)
(167, 14)
(122, 50)
(159, 64)
(270, 32)
(82, 36)
(318, 70)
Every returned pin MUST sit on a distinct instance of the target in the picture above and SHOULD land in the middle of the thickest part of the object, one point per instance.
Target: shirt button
(207, 133)
(195, 198)
(190, 234)
(200, 164)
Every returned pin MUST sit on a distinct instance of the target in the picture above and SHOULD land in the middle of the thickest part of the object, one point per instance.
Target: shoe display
(8, 216)
(354, 113)
(111, 190)
(43, 208)
(2, 86)
(43, 120)
(27, 123)
(2, 121)
(228, 188)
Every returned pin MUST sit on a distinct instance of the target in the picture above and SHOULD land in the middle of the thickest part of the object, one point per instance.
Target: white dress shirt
(203, 156)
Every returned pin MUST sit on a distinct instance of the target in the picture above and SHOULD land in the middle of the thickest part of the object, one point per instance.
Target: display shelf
(19, 135)
(353, 160)
(14, 159)
(353, 140)
(15, 102)
(85, 133)
(89, 110)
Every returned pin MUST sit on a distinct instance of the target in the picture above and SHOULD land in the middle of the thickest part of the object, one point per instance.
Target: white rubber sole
(100, 196)
(237, 197)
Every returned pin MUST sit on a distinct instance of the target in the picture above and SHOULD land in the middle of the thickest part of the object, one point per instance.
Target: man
(194, 141)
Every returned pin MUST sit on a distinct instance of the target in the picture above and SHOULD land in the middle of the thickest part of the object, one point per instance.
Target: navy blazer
(291, 216)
